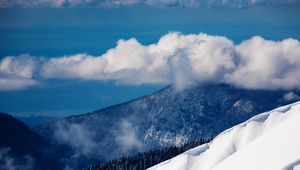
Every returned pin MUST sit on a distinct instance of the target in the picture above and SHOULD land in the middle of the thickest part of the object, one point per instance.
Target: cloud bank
(177, 59)
(156, 3)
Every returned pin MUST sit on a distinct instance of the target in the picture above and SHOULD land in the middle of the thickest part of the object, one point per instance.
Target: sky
(75, 56)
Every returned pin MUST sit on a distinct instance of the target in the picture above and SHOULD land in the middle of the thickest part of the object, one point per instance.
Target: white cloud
(267, 64)
(9, 84)
(157, 3)
(22, 66)
(17, 72)
(77, 136)
(81, 140)
(291, 96)
(173, 3)
(76, 66)
(175, 59)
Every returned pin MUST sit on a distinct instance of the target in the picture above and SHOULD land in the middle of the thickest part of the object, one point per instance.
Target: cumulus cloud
(181, 60)
(175, 59)
(17, 72)
(173, 3)
(157, 3)
(267, 64)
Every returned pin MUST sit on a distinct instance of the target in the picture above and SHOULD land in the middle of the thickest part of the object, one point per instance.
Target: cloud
(156, 3)
(10, 84)
(173, 3)
(290, 96)
(77, 136)
(17, 72)
(127, 137)
(181, 60)
(84, 143)
(175, 59)
(8, 162)
(22, 66)
(267, 64)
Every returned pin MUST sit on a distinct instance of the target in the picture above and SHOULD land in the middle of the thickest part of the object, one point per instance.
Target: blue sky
(49, 32)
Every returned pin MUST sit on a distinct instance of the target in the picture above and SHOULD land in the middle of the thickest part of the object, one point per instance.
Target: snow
(268, 141)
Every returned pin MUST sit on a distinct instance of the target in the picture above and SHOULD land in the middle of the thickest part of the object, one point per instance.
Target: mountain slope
(33, 121)
(268, 141)
(22, 147)
(164, 118)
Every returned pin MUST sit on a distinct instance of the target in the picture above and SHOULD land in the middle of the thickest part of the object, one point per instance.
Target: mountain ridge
(22, 147)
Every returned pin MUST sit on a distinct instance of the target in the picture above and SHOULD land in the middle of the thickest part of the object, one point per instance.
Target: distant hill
(163, 119)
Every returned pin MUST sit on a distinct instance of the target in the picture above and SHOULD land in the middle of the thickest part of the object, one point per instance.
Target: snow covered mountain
(268, 141)
(165, 118)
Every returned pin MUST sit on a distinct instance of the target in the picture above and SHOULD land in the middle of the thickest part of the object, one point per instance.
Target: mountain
(21, 148)
(268, 141)
(144, 160)
(33, 121)
(165, 118)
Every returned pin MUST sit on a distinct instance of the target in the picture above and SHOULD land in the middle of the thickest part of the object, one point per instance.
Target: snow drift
(268, 141)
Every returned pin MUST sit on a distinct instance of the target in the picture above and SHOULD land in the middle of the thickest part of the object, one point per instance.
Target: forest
(144, 160)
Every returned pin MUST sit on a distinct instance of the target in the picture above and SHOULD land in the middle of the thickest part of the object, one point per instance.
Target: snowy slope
(268, 141)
